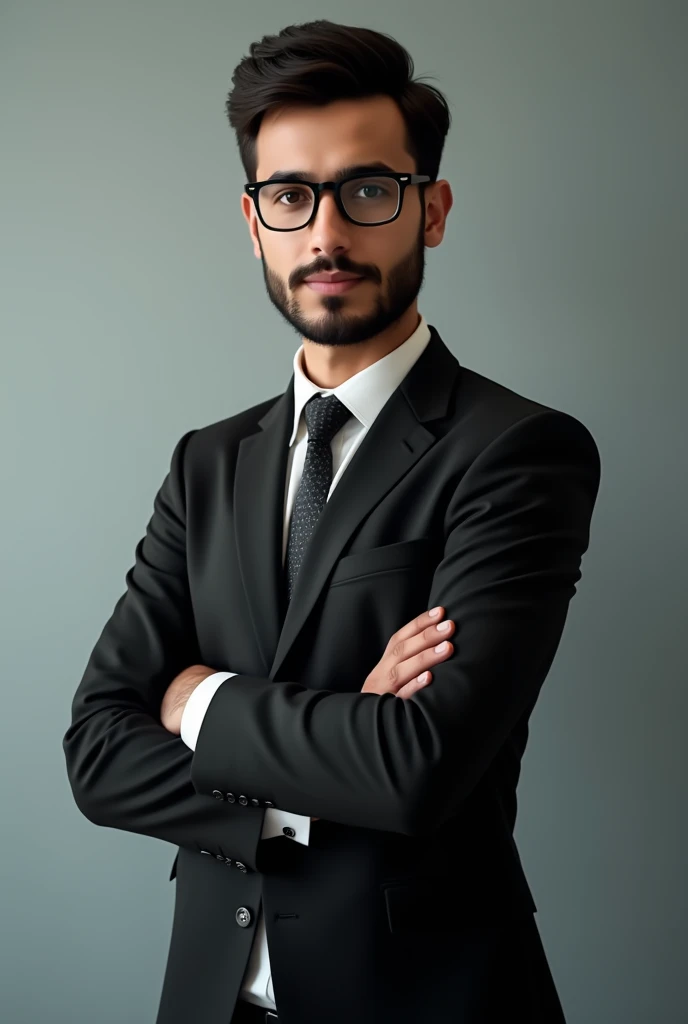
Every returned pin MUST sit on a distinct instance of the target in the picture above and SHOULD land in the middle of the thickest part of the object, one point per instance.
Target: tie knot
(325, 416)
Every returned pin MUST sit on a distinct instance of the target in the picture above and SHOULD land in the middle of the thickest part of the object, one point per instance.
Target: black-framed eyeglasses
(286, 204)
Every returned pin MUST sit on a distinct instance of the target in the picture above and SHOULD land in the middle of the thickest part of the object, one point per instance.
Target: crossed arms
(516, 528)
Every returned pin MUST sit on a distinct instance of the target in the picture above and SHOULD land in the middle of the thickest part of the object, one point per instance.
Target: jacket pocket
(439, 904)
(401, 555)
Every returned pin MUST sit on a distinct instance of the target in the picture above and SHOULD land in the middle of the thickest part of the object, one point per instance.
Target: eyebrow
(343, 172)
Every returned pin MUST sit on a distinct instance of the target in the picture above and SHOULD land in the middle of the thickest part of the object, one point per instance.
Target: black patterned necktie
(324, 416)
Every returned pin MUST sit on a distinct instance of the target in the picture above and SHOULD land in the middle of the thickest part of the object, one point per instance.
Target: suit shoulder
(231, 429)
(495, 398)
(495, 409)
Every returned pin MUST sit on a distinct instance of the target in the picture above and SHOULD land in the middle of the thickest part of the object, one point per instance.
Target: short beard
(404, 282)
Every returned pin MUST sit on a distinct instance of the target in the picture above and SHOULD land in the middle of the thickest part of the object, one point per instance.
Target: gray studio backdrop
(133, 310)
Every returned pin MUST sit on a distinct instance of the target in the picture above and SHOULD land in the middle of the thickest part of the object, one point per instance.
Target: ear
(438, 202)
(249, 212)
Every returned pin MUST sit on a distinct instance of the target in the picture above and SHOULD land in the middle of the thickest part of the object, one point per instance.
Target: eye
(291, 192)
(377, 191)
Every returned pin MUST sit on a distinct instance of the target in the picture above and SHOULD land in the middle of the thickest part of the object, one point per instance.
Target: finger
(422, 662)
(409, 658)
(416, 626)
(413, 686)
(411, 651)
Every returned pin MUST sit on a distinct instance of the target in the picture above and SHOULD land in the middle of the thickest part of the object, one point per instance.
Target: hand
(177, 694)
(408, 654)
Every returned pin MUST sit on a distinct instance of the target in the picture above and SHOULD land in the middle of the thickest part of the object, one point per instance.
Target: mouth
(334, 287)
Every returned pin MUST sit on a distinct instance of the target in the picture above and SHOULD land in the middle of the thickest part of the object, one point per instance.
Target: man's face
(319, 141)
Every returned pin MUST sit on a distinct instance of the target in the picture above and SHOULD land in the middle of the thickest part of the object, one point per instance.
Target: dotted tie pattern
(324, 416)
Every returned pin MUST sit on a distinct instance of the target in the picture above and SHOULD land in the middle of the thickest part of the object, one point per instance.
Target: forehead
(320, 140)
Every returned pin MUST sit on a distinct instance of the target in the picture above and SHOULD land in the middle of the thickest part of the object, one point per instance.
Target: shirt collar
(367, 391)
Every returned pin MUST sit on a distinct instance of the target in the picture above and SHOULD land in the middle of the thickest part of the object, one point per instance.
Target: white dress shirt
(364, 395)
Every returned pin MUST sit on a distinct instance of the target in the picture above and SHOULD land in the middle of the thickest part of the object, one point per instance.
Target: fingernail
(442, 647)
(435, 612)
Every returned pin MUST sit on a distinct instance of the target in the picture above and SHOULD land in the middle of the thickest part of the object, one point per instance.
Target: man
(344, 855)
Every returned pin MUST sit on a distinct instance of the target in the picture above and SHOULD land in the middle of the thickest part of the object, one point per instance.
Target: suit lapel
(394, 443)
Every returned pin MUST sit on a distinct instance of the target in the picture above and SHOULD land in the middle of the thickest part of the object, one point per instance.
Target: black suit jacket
(410, 903)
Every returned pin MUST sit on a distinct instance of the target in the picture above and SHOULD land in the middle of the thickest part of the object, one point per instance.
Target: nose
(329, 230)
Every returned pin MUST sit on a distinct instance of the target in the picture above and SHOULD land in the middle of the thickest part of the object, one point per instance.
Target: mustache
(343, 265)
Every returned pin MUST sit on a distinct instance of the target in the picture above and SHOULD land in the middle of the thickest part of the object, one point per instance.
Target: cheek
(392, 241)
(279, 258)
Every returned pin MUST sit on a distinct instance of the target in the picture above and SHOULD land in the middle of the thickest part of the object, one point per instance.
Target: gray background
(133, 310)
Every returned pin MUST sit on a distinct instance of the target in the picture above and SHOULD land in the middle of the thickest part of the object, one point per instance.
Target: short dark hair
(318, 62)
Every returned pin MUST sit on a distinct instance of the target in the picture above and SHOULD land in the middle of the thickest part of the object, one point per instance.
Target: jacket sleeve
(192, 718)
(126, 770)
(516, 528)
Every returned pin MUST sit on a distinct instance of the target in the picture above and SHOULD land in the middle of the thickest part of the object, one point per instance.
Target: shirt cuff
(197, 705)
(275, 820)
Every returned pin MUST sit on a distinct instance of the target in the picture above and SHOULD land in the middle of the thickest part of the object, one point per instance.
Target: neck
(328, 366)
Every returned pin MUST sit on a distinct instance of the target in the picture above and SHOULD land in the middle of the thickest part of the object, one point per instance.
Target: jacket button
(231, 797)
(243, 801)
(243, 917)
(228, 861)
(218, 795)
(289, 831)
(255, 801)
(218, 856)
(268, 803)
(242, 867)
(206, 851)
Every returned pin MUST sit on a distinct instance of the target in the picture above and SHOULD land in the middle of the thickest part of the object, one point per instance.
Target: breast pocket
(404, 554)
